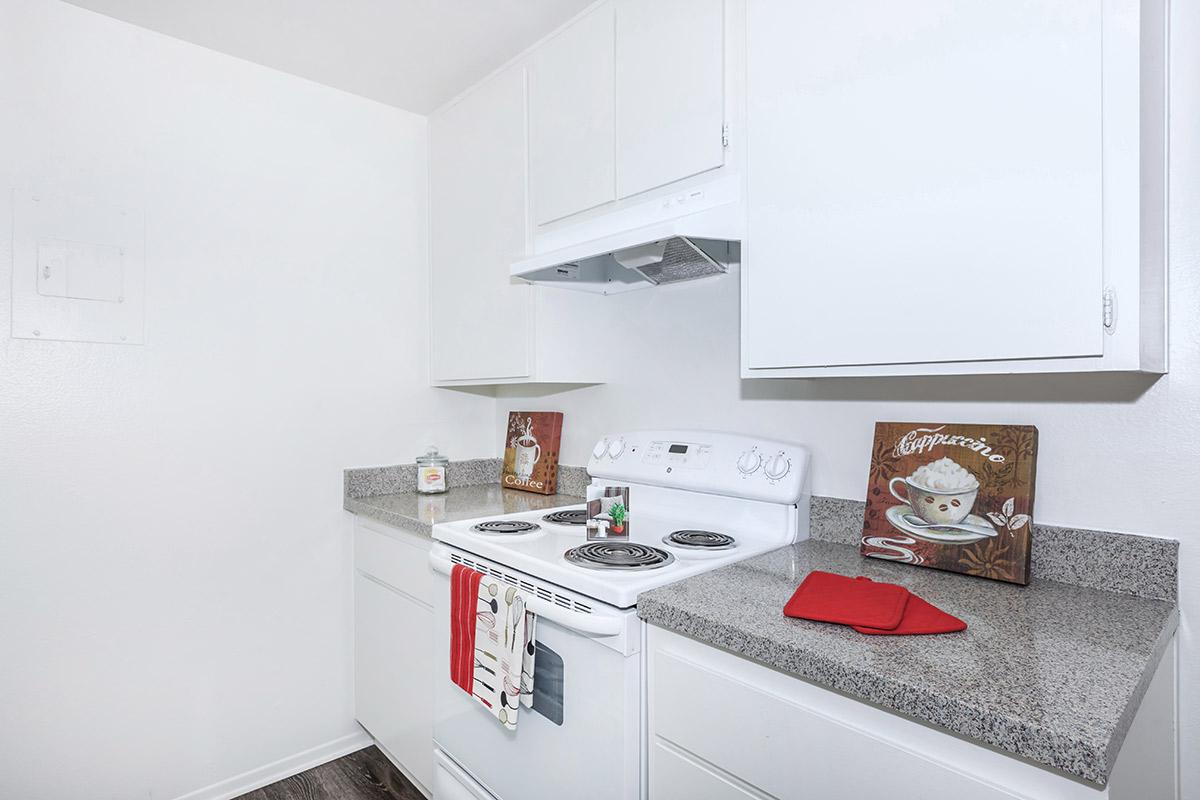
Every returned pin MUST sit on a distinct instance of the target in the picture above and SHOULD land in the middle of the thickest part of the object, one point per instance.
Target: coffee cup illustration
(941, 492)
(526, 450)
(528, 453)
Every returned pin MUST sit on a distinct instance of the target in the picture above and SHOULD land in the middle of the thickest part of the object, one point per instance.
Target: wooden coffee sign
(952, 497)
(531, 451)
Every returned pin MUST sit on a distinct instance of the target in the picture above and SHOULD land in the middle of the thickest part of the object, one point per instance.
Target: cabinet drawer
(675, 776)
(396, 558)
(787, 750)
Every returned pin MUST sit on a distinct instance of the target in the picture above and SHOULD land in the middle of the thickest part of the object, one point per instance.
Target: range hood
(682, 249)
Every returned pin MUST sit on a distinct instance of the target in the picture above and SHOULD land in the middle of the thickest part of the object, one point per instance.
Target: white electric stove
(697, 501)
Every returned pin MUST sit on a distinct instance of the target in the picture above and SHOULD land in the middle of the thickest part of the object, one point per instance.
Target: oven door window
(548, 684)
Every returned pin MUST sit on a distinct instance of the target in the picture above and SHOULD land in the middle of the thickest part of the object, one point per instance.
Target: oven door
(583, 737)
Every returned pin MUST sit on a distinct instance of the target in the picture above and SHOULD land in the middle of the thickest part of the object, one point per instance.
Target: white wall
(174, 571)
(1118, 453)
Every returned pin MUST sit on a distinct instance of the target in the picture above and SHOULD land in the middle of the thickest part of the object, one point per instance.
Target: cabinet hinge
(725, 134)
(1110, 310)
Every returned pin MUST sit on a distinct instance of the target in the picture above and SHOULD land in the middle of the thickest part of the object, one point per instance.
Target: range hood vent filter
(679, 250)
(681, 260)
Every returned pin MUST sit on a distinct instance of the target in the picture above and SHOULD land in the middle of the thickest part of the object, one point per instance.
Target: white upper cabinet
(670, 91)
(627, 99)
(571, 118)
(481, 321)
(484, 327)
(949, 187)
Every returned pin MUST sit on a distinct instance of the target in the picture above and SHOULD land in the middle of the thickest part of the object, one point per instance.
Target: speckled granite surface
(572, 480)
(402, 478)
(420, 512)
(1113, 562)
(1049, 672)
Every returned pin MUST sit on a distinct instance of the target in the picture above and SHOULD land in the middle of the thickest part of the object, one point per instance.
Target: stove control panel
(705, 461)
(684, 455)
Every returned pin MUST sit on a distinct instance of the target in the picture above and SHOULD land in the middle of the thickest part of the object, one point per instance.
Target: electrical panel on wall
(79, 270)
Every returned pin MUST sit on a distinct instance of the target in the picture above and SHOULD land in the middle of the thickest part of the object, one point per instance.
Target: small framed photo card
(608, 513)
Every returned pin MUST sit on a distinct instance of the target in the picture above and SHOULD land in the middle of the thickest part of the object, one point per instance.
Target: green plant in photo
(617, 512)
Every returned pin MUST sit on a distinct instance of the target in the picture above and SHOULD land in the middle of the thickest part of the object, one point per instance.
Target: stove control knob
(749, 462)
(600, 449)
(778, 466)
(616, 448)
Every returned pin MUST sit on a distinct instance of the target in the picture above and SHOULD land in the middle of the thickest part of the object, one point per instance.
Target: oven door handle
(590, 624)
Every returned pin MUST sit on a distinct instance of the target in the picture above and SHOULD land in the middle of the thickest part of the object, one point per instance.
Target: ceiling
(413, 54)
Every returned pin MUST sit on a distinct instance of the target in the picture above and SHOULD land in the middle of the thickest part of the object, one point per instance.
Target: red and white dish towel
(868, 606)
(492, 643)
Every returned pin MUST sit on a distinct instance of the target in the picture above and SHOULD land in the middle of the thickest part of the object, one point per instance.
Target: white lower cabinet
(393, 660)
(724, 727)
(676, 774)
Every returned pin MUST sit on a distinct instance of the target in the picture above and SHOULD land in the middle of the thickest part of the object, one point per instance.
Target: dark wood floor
(365, 775)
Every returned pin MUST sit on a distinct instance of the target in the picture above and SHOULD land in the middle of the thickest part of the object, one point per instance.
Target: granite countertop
(388, 494)
(420, 512)
(1050, 672)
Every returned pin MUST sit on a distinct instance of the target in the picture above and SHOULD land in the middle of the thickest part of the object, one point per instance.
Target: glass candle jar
(431, 472)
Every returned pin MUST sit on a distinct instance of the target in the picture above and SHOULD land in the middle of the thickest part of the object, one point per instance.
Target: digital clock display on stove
(677, 455)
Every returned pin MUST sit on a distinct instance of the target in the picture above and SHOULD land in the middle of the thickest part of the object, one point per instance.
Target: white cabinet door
(924, 182)
(571, 118)
(678, 775)
(393, 674)
(783, 749)
(724, 727)
(670, 91)
(481, 323)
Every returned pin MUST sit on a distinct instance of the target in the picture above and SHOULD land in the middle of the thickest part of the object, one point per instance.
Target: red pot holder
(919, 617)
(826, 597)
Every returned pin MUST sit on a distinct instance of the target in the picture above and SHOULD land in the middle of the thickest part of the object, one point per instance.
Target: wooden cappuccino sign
(953, 497)
(531, 451)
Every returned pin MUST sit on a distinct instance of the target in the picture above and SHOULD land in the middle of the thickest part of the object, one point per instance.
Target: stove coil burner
(700, 540)
(505, 527)
(572, 516)
(618, 555)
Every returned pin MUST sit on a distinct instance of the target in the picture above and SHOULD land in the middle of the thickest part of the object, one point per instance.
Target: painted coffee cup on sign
(528, 451)
(941, 492)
